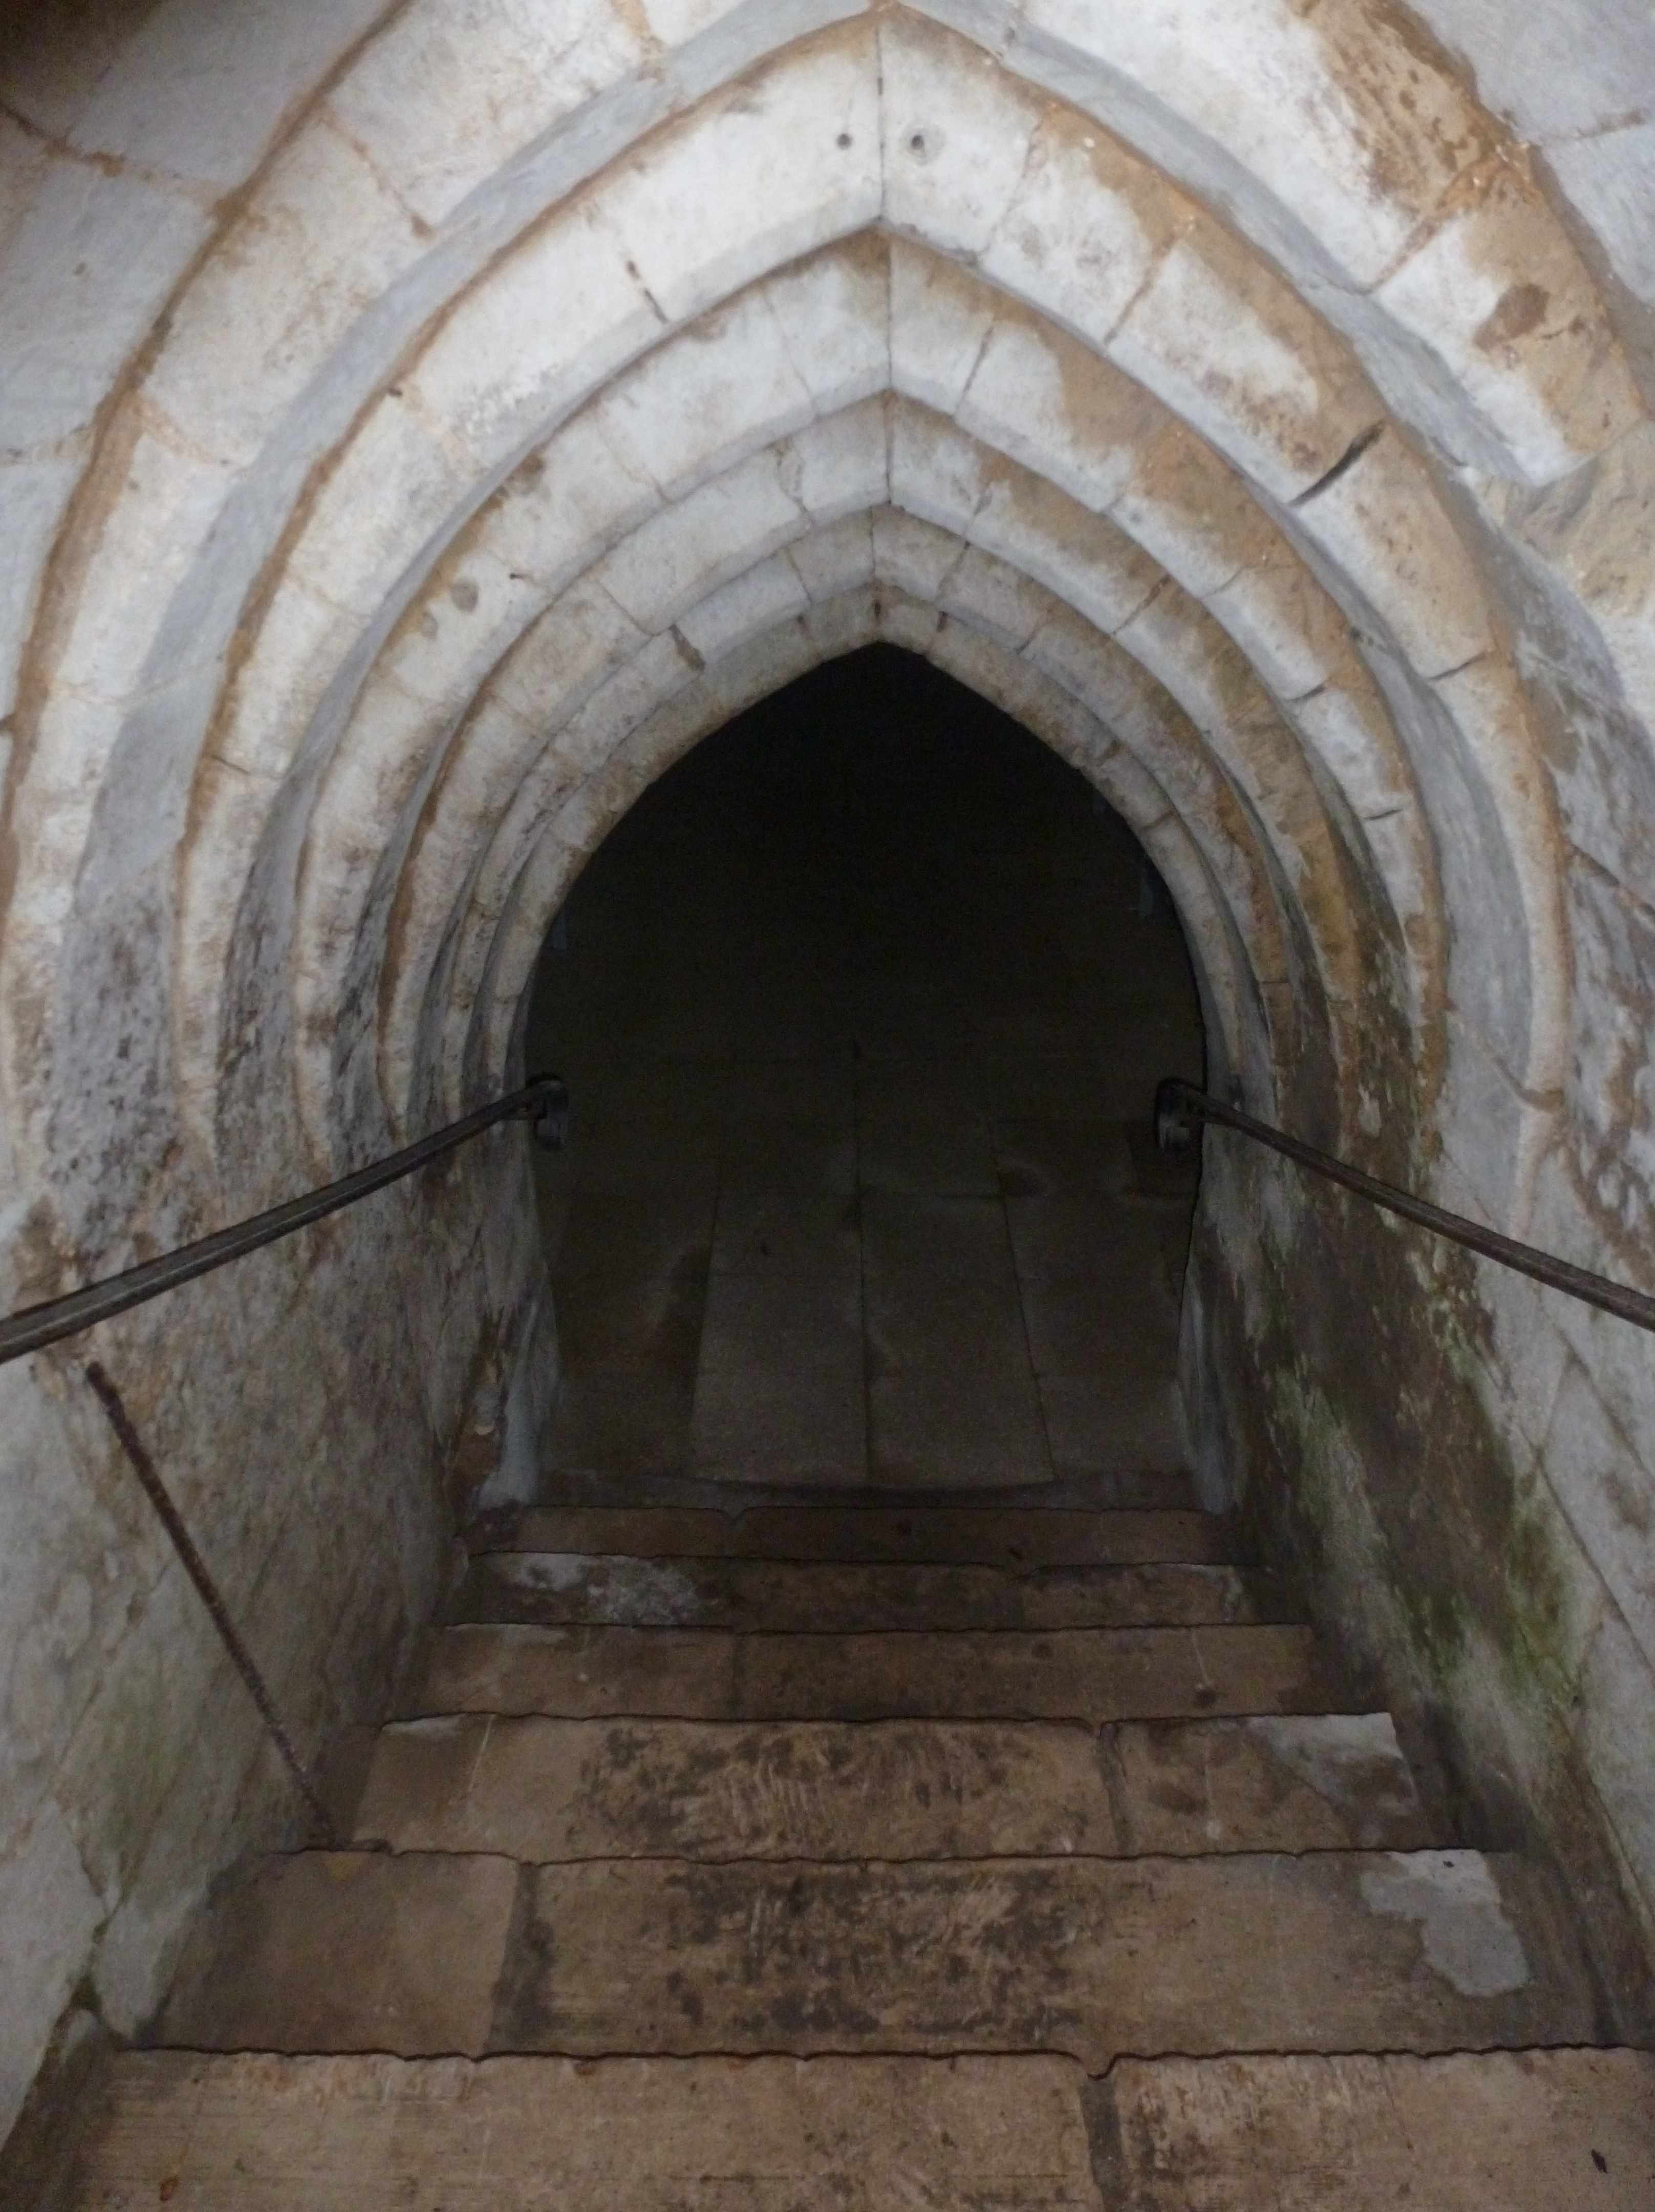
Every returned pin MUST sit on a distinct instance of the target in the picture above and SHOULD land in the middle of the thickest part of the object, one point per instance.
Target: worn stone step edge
(865, 1533)
(781, 1597)
(540, 1791)
(1495, 2131)
(1124, 1490)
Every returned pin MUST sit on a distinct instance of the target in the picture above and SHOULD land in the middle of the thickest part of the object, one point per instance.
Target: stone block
(1226, 346)
(1598, 531)
(834, 313)
(785, 184)
(838, 466)
(956, 137)
(48, 78)
(1500, 296)
(471, 614)
(51, 1913)
(1411, 1951)
(1307, 1782)
(240, 352)
(835, 560)
(34, 494)
(1381, 522)
(1286, 624)
(1011, 1537)
(439, 104)
(552, 528)
(1047, 402)
(1607, 179)
(132, 1737)
(1609, 1496)
(1085, 229)
(548, 325)
(84, 276)
(221, 1800)
(315, 1942)
(1311, 116)
(912, 554)
(995, 598)
(152, 535)
(360, 2133)
(1346, 725)
(1525, 2130)
(580, 641)
(538, 1790)
(1037, 529)
(940, 318)
(197, 98)
(1617, 1686)
(1187, 508)
(753, 603)
(73, 1526)
(706, 540)
(937, 474)
(690, 407)
(1094, 1675)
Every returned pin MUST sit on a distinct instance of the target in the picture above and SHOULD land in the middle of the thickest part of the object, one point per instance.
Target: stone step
(1495, 2131)
(1489, 2131)
(1091, 1675)
(922, 1535)
(1102, 1490)
(260, 2134)
(539, 1790)
(1090, 1958)
(561, 1588)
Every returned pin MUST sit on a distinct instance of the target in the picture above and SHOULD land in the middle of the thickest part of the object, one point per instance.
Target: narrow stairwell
(1002, 1854)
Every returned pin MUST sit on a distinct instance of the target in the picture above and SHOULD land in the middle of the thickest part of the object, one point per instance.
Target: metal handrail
(543, 1099)
(1179, 1104)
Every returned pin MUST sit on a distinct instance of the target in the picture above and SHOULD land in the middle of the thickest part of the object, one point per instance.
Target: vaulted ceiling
(496, 404)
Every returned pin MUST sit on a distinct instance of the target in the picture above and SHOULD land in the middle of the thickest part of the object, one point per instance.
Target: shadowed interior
(864, 1006)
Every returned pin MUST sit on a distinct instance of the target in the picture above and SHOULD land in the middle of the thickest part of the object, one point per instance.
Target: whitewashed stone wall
(420, 422)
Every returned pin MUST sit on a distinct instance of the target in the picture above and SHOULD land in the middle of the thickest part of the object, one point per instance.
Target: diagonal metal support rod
(543, 1101)
(196, 1567)
(1179, 1105)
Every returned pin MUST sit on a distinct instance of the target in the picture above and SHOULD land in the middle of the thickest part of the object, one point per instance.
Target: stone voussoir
(919, 1535)
(377, 2134)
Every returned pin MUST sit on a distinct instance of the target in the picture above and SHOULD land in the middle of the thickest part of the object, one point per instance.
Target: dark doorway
(862, 1006)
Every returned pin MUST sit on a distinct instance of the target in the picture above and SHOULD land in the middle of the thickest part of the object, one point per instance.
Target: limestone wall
(318, 1410)
(422, 421)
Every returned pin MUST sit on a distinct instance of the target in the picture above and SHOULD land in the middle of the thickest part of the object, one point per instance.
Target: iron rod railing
(544, 1100)
(1179, 1105)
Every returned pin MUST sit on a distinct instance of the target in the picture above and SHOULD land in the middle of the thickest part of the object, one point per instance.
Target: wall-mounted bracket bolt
(548, 1117)
(1174, 1122)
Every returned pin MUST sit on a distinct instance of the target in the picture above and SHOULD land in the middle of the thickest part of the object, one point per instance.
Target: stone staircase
(842, 1856)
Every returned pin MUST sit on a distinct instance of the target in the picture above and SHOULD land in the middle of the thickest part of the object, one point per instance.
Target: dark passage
(862, 1006)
